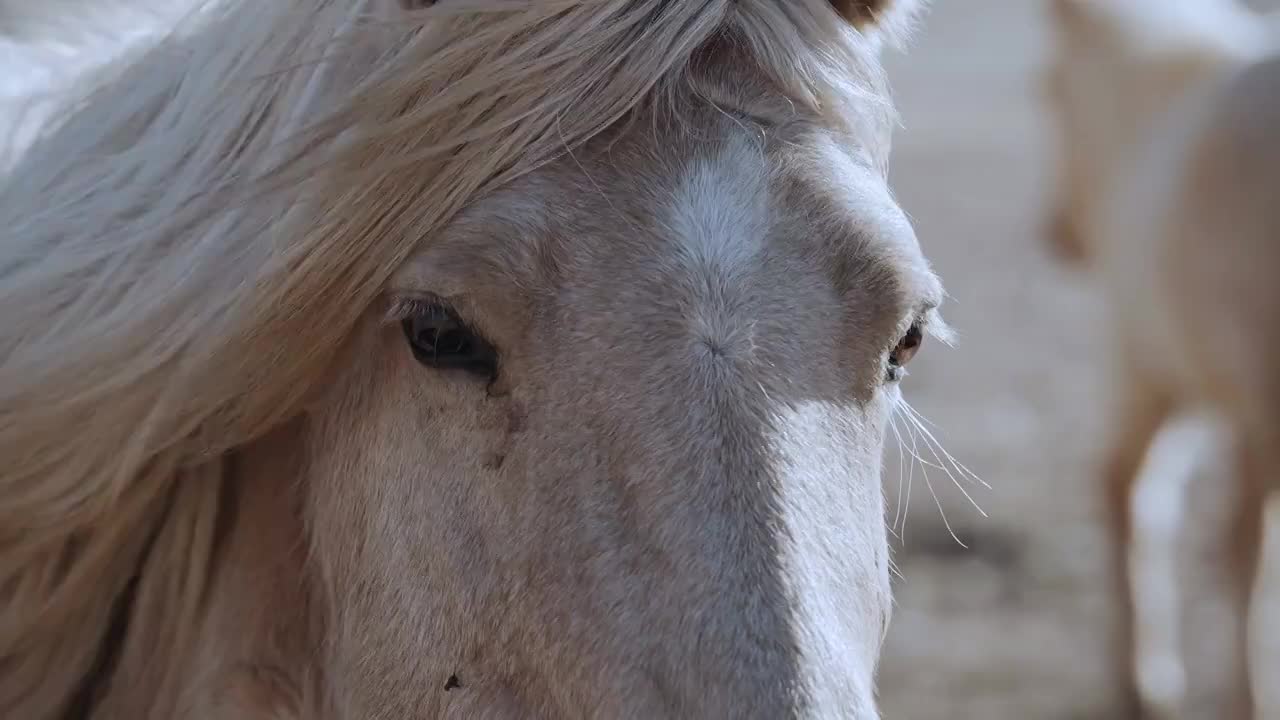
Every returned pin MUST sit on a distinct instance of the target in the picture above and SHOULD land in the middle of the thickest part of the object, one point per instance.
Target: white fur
(720, 214)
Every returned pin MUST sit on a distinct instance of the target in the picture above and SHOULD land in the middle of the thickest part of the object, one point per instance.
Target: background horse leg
(1141, 415)
(1181, 448)
(1255, 468)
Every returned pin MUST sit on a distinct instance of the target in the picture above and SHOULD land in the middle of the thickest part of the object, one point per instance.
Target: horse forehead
(695, 204)
(719, 208)
(725, 202)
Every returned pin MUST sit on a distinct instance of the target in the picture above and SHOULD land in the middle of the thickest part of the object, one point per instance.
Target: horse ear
(1076, 16)
(892, 18)
(861, 12)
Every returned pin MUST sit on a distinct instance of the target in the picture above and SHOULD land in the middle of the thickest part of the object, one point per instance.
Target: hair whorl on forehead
(182, 257)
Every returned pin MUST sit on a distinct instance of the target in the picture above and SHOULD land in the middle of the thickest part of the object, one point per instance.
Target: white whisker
(894, 570)
(897, 513)
(932, 445)
(929, 485)
(965, 472)
(911, 471)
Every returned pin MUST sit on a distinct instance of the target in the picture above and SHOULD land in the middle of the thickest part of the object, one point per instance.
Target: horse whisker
(933, 449)
(921, 421)
(929, 485)
(897, 514)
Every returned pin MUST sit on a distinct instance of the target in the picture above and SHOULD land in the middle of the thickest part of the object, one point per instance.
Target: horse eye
(439, 339)
(906, 349)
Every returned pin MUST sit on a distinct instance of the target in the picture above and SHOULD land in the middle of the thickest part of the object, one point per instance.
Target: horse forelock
(185, 254)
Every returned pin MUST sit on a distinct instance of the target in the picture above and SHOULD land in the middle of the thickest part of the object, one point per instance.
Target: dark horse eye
(439, 339)
(906, 349)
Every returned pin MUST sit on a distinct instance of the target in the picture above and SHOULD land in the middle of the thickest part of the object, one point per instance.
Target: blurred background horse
(1166, 116)
(1023, 622)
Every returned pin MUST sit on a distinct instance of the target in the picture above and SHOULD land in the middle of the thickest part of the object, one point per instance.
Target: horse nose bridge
(713, 492)
(708, 411)
(697, 462)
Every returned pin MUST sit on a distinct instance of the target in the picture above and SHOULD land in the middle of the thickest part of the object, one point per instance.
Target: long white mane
(46, 47)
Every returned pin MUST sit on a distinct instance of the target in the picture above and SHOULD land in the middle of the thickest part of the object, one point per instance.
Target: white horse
(487, 359)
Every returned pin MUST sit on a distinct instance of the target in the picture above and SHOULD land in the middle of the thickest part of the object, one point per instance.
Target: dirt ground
(1016, 626)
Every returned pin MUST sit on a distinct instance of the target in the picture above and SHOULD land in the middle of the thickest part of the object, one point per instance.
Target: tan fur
(230, 490)
(1170, 169)
(874, 16)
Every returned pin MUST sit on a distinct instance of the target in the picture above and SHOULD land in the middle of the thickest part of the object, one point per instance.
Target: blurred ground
(1015, 627)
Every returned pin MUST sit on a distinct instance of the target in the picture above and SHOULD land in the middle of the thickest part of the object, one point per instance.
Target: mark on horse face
(452, 683)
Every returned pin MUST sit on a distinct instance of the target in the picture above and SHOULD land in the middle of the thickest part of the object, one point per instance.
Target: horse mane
(183, 255)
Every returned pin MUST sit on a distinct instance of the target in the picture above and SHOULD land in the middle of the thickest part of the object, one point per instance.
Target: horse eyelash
(403, 308)
(934, 326)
